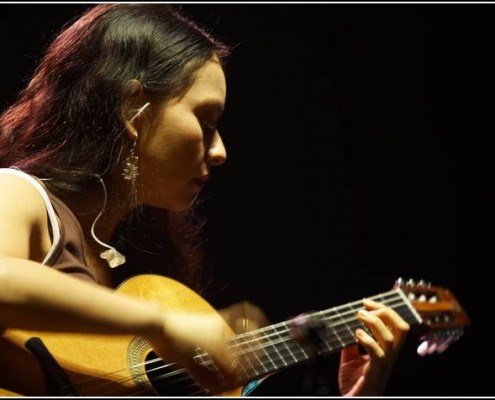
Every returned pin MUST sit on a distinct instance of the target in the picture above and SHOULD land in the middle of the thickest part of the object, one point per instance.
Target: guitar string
(285, 330)
(292, 342)
(252, 333)
(271, 344)
(202, 391)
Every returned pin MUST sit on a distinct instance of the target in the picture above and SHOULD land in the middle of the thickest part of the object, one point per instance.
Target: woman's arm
(36, 297)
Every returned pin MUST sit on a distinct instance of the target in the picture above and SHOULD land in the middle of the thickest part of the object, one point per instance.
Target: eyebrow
(219, 107)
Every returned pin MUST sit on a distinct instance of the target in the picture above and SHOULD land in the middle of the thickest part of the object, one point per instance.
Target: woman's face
(183, 143)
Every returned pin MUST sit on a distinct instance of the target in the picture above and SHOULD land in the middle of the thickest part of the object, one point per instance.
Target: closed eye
(208, 113)
(208, 128)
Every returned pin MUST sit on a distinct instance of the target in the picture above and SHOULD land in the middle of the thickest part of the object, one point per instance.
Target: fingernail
(359, 333)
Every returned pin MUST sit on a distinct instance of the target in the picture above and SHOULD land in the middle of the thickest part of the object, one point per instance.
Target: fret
(297, 352)
(337, 329)
(263, 369)
(281, 336)
(272, 359)
(266, 359)
(286, 351)
(248, 347)
(273, 344)
(406, 310)
(245, 352)
(327, 339)
(351, 321)
(286, 339)
(390, 299)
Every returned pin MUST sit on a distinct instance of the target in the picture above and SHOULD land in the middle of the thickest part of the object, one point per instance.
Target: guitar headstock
(442, 315)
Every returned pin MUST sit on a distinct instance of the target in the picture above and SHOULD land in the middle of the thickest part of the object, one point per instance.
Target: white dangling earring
(130, 171)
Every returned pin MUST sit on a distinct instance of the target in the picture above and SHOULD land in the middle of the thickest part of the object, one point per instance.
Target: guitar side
(97, 365)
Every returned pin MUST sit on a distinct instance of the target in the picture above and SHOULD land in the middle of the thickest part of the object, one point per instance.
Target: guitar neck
(273, 348)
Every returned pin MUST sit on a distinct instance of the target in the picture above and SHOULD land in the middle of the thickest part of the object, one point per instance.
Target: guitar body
(98, 365)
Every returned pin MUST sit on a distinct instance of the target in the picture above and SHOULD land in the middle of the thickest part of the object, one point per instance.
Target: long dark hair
(66, 124)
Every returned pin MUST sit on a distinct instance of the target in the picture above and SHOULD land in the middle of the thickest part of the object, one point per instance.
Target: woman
(118, 125)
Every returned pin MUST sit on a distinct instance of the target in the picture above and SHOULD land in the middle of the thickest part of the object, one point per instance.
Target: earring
(130, 168)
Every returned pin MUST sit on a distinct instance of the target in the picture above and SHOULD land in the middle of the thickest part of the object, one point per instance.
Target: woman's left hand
(368, 374)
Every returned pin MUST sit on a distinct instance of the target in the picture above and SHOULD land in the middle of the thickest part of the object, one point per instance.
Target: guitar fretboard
(274, 347)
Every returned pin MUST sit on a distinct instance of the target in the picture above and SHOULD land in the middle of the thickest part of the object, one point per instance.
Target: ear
(132, 100)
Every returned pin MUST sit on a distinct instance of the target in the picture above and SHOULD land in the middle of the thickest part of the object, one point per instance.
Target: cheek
(175, 150)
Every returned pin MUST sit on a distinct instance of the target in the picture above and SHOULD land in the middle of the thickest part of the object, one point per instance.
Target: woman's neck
(88, 207)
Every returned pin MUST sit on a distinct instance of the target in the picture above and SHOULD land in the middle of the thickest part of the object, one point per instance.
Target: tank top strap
(52, 216)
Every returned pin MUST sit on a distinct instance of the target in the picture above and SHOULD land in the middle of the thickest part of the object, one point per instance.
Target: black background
(358, 144)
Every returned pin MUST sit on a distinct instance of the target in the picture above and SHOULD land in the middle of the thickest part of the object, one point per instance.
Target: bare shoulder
(22, 212)
(20, 197)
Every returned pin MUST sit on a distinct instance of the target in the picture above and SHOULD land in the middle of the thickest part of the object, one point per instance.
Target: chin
(179, 205)
(182, 201)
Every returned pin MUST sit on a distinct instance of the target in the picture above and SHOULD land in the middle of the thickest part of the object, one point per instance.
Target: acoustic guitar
(42, 363)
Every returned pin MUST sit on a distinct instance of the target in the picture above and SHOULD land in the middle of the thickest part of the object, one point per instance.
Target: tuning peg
(427, 348)
(423, 349)
(411, 282)
(432, 348)
(433, 299)
(444, 345)
(438, 342)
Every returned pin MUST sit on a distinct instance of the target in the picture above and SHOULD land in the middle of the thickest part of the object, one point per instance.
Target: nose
(217, 154)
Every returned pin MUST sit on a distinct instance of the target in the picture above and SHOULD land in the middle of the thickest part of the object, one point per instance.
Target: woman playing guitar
(116, 133)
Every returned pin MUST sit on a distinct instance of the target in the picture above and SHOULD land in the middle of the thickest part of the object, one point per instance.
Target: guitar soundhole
(169, 381)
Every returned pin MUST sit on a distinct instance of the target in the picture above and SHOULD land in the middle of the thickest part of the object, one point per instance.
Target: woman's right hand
(180, 337)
